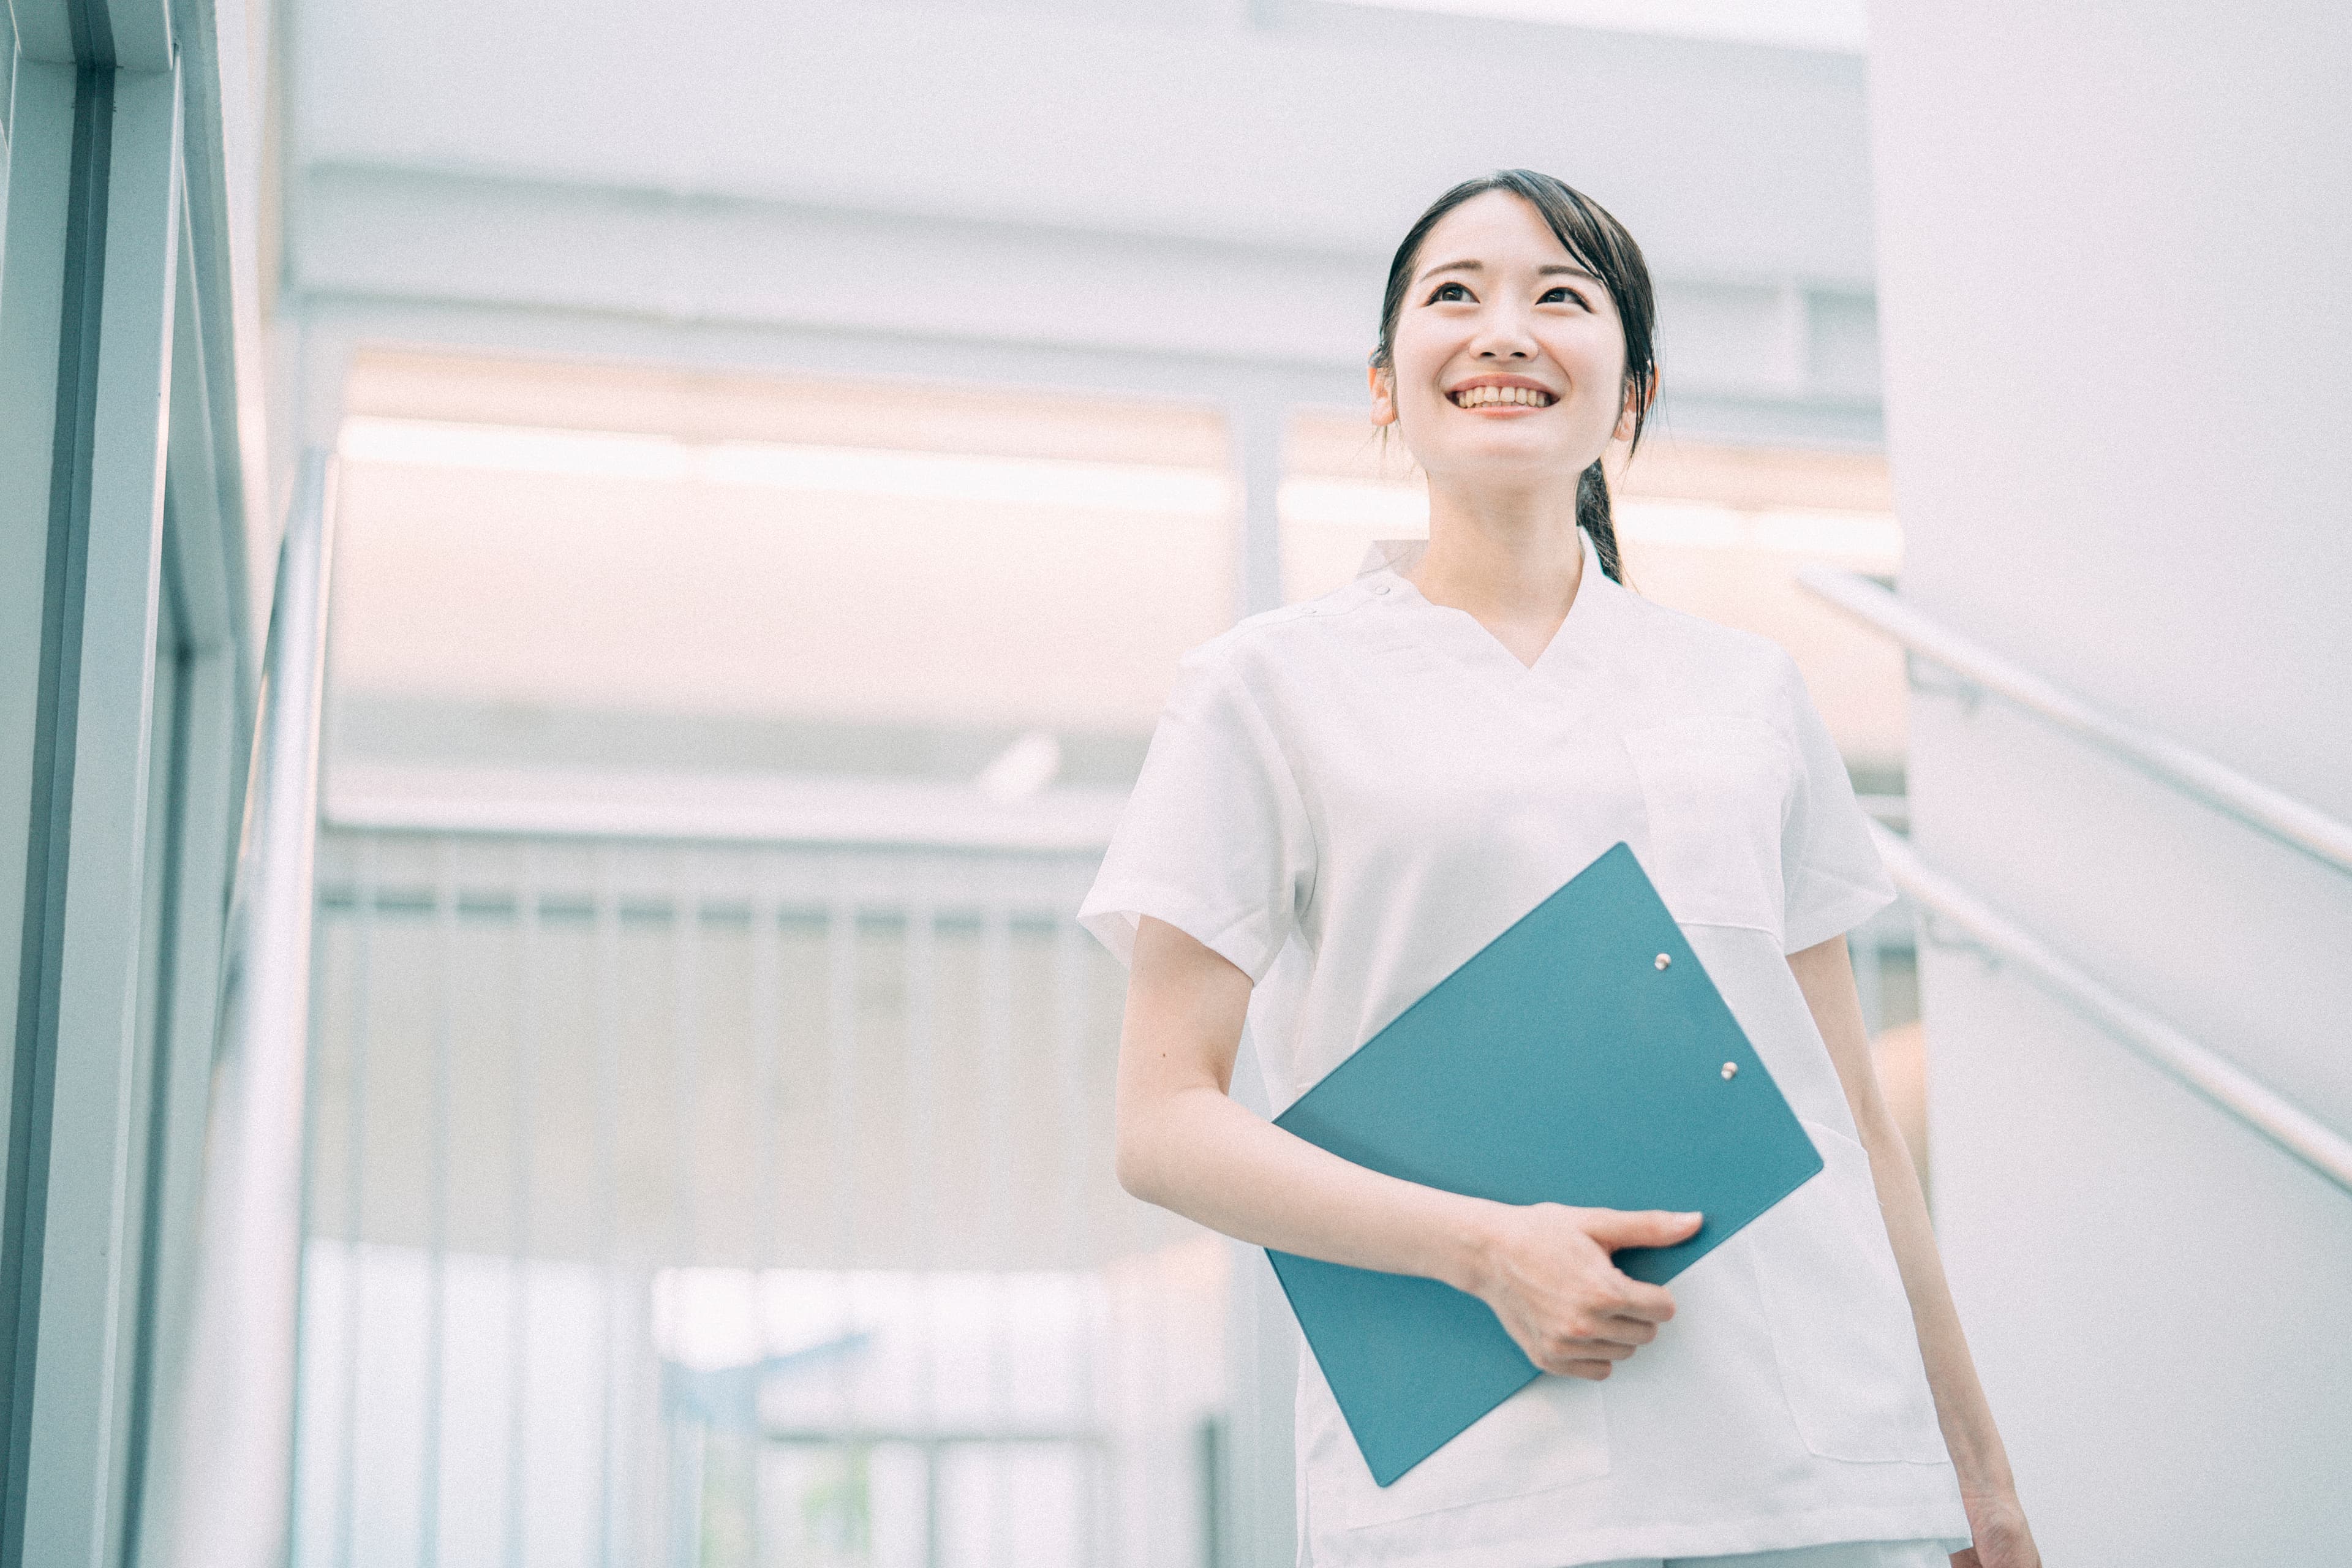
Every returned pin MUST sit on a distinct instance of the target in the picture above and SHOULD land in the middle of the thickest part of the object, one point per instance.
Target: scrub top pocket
(1841, 1331)
(1553, 1433)
(1715, 789)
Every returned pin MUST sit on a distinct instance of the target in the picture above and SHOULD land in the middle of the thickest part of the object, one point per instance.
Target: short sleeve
(1831, 877)
(1215, 838)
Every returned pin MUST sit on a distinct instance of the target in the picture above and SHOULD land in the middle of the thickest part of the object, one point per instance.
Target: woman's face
(1508, 358)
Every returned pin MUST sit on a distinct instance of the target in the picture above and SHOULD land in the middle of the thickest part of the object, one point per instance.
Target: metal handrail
(946, 822)
(2194, 1065)
(233, 1428)
(2192, 773)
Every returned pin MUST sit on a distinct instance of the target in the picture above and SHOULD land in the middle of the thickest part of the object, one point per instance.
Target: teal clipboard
(1559, 1063)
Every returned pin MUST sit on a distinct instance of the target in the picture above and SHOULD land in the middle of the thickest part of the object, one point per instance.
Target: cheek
(1416, 395)
(1419, 356)
(1592, 352)
(1596, 368)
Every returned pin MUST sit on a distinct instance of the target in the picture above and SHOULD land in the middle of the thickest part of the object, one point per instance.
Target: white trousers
(1837, 1554)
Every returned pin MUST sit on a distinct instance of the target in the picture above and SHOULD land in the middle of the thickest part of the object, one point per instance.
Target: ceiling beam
(1750, 361)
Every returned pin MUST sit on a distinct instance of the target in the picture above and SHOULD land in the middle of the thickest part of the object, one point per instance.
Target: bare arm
(1826, 976)
(1184, 1145)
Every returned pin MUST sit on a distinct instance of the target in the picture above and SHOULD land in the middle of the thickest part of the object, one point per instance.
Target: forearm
(1960, 1406)
(1184, 1145)
(1826, 976)
(1194, 1151)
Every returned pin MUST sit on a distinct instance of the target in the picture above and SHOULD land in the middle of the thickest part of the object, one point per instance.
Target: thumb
(1613, 1228)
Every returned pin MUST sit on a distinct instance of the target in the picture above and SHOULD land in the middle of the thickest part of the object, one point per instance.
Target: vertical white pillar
(1254, 423)
(105, 508)
(1261, 1362)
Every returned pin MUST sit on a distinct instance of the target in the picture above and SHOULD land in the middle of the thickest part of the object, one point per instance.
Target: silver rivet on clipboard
(1663, 960)
(1731, 1071)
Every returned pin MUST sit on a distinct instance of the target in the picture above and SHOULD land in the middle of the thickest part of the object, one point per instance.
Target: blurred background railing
(703, 1203)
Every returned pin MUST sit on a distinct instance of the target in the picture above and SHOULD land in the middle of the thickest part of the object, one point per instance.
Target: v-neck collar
(1386, 562)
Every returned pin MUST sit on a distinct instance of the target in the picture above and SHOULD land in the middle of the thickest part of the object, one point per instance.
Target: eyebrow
(1550, 269)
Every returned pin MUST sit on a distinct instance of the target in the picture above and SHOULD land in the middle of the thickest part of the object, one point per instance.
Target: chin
(1500, 451)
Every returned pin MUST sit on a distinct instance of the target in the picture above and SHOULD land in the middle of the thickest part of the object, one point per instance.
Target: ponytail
(1592, 516)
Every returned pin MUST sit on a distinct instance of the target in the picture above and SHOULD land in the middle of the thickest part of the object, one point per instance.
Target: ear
(1624, 431)
(1383, 387)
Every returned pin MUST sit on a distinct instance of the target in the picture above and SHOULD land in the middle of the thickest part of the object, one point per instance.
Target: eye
(1562, 293)
(1439, 292)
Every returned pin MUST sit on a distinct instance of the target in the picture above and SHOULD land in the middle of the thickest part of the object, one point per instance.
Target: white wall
(2119, 368)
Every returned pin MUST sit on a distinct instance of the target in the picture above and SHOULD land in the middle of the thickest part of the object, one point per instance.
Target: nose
(1504, 335)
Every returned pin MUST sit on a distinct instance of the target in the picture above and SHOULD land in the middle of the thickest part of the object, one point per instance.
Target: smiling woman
(1592, 306)
(1347, 798)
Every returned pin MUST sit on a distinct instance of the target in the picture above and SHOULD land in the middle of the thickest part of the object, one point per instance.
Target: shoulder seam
(1291, 615)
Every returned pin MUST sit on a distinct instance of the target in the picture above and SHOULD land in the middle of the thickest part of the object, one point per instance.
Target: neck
(1497, 552)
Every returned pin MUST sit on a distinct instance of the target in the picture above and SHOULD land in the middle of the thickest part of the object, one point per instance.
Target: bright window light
(711, 1317)
(1832, 25)
(1846, 533)
(1399, 510)
(851, 471)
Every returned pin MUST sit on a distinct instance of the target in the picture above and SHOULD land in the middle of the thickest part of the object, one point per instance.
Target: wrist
(1474, 1239)
(1983, 1469)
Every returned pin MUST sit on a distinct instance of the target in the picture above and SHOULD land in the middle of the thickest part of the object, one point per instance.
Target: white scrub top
(1347, 798)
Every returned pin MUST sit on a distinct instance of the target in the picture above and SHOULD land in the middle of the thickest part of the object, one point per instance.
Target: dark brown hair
(1599, 243)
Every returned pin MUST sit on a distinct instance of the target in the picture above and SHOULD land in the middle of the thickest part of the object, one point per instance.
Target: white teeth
(1480, 397)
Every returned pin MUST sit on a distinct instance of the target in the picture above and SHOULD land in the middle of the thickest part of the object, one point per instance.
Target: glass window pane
(811, 566)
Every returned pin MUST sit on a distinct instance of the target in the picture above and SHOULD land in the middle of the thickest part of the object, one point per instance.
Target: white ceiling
(1834, 25)
(1323, 136)
(1196, 196)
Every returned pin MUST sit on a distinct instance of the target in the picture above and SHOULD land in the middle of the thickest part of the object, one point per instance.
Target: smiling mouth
(1499, 397)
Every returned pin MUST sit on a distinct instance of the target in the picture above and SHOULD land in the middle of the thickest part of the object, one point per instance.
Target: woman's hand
(1545, 1270)
(2002, 1540)
(1184, 1145)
